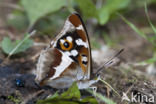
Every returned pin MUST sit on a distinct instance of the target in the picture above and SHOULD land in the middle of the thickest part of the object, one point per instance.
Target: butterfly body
(68, 57)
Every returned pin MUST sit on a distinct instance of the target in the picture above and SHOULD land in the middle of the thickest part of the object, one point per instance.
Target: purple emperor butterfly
(68, 57)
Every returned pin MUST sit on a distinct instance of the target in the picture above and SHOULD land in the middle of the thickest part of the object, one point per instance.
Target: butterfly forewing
(73, 41)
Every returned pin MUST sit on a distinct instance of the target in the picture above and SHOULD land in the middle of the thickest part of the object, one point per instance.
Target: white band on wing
(65, 62)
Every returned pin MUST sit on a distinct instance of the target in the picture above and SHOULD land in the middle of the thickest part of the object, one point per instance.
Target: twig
(40, 44)
(110, 87)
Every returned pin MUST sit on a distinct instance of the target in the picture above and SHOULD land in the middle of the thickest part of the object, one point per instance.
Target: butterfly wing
(68, 58)
(73, 41)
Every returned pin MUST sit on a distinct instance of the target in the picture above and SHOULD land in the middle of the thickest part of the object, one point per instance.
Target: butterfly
(68, 57)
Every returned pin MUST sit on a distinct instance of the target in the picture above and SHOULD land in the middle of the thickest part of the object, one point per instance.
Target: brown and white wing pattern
(68, 57)
(73, 41)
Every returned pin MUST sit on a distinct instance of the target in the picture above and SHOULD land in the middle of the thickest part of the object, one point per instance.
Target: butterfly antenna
(106, 64)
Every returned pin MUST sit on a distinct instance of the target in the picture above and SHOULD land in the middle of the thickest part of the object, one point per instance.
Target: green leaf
(71, 96)
(111, 7)
(54, 96)
(150, 61)
(134, 27)
(139, 32)
(153, 38)
(105, 99)
(88, 8)
(101, 97)
(90, 100)
(8, 46)
(65, 98)
(36, 9)
(148, 18)
(72, 92)
(104, 15)
(18, 20)
(117, 4)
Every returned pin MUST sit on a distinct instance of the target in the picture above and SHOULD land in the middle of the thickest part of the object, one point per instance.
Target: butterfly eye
(66, 45)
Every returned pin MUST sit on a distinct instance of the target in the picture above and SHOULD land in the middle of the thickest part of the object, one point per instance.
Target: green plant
(111, 7)
(46, 11)
(71, 96)
(37, 9)
(16, 47)
(101, 97)
(15, 100)
(151, 39)
(101, 10)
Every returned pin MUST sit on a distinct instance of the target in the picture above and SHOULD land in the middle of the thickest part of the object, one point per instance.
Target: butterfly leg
(94, 88)
(83, 84)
